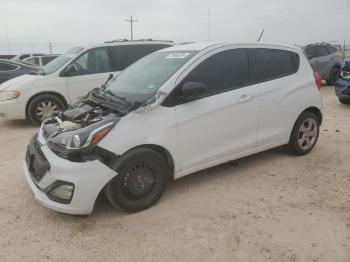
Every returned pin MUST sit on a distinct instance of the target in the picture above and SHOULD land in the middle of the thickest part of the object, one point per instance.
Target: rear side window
(124, 55)
(321, 51)
(269, 64)
(7, 67)
(46, 59)
(331, 49)
(223, 71)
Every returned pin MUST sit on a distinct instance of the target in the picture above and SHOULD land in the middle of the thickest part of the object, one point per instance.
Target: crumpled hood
(17, 82)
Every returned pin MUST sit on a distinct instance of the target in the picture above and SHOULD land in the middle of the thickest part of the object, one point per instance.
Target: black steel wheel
(142, 178)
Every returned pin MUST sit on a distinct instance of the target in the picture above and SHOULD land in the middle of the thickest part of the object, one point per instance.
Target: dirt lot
(268, 207)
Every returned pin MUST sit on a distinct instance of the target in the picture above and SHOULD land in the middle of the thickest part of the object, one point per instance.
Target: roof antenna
(261, 34)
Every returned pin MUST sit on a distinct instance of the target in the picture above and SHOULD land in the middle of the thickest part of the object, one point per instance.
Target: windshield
(55, 64)
(141, 81)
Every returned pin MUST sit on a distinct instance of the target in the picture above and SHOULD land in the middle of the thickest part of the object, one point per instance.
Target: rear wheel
(305, 133)
(333, 76)
(142, 178)
(42, 106)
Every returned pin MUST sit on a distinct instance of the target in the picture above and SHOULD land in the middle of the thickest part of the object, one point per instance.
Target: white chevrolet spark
(172, 113)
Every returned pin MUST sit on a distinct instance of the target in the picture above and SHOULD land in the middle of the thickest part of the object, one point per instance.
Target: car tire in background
(143, 175)
(42, 106)
(333, 76)
(344, 100)
(305, 133)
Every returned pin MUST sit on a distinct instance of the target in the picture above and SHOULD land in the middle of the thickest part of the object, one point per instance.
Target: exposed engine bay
(95, 107)
(75, 133)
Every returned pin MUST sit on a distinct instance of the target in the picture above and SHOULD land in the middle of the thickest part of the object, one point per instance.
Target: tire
(305, 133)
(344, 101)
(143, 175)
(333, 76)
(42, 106)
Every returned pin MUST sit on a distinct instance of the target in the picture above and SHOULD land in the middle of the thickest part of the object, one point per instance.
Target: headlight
(9, 95)
(81, 138)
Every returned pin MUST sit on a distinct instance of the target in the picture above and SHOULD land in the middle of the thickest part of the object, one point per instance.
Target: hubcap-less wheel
(138, 181)
(44, 109)
(307, 134)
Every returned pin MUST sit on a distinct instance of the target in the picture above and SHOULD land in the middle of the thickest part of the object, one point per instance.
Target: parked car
(342, 85)
(172, 113)
(326, 60)
(40, 60)
(69, 77)
(22, 56)
(10, 69)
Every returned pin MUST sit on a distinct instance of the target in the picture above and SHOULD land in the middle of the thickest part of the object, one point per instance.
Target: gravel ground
(268, 207)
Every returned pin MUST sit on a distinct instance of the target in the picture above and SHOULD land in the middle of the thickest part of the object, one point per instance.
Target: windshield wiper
(119, 97)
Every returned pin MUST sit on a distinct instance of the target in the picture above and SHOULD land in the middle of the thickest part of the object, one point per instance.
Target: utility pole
(262, 32)
(131, 21)
(8, 40)
(50, 47)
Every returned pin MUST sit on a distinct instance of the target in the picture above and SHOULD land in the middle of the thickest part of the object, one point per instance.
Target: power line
(131, 21)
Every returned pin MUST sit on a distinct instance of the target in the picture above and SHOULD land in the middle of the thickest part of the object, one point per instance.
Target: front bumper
(88, 179)
(12, 109)
(342, 88)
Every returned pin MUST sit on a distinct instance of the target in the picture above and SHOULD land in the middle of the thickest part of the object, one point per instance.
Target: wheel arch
(314, 110)
(60, 96)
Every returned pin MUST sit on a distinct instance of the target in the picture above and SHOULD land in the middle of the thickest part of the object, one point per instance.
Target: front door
(92, 69)
(224, 121)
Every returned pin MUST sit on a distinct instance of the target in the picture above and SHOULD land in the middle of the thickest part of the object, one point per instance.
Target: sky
(29, 26)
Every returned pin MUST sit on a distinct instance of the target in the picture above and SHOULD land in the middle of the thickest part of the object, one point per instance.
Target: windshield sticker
(177, 55)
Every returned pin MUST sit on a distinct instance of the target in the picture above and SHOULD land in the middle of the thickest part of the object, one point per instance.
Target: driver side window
(94, 61)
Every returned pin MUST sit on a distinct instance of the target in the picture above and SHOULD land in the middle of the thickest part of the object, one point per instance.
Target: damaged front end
(75, 133)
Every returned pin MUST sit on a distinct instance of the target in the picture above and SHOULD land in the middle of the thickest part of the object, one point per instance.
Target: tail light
(318, 80)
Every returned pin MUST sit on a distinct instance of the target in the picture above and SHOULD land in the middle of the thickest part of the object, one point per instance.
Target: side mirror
(192, 90)
(70, 70)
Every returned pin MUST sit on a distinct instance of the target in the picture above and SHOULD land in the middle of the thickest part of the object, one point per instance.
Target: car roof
(133, 42)
(212, 45)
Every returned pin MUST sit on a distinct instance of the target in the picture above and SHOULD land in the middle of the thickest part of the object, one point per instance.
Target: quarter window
(269, 64)
(7, 67)
(221, 72)
(94, 61)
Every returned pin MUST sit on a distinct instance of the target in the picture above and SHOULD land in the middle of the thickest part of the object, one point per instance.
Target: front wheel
(142, 178)
(305, 133)
(42, 106)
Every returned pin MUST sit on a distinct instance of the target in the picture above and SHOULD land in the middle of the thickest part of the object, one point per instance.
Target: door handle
(245, 98)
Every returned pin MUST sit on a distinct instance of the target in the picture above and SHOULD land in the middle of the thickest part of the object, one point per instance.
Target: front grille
(36, 160)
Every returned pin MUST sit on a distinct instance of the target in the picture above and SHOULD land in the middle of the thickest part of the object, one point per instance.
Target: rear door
(275, 72)
(224, 121)
(92, 70)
